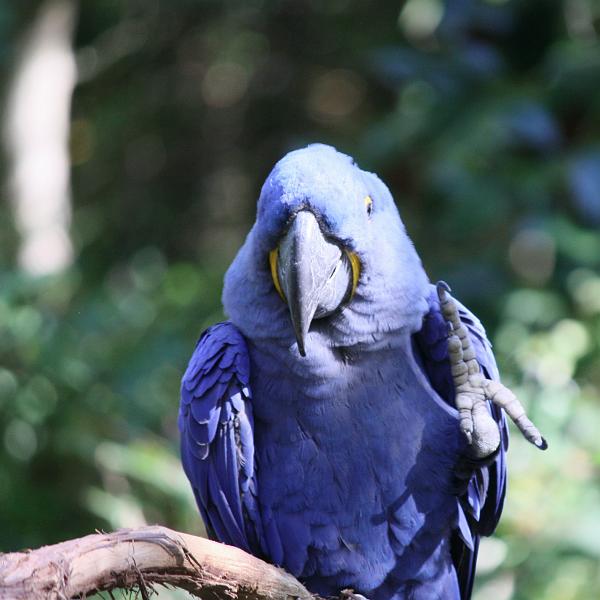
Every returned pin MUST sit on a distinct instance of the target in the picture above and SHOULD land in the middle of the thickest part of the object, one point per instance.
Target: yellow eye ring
(369, 205)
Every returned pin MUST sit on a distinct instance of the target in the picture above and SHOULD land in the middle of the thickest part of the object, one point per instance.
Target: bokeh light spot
(534, 307)
(532, 255)
(492, 553)
(26, 323)
(20, 440)
(501, 587)
(37, 400)
(419, 18)
(224, 84)
(584, 286)
(183, 284)
(8, 385)
(335, 95)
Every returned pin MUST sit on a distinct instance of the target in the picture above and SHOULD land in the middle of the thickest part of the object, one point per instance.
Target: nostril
(335, 268)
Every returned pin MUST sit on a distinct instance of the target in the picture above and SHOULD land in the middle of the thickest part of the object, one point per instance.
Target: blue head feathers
(329, 183)
(331, 233)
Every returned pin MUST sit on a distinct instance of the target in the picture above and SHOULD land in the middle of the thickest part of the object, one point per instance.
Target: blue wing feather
(217, 437)
(480, 505)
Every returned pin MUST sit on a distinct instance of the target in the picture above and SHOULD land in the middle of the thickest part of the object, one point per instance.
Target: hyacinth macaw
(318, 424)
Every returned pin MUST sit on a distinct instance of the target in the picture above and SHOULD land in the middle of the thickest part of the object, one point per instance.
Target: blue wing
(217, 437)
(481, 498)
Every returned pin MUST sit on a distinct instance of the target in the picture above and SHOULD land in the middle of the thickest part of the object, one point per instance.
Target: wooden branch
(138, 558)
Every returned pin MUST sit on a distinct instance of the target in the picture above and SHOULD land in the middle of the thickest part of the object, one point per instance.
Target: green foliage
(484, 119)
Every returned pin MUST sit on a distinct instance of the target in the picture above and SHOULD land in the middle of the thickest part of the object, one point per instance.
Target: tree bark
(139, 558)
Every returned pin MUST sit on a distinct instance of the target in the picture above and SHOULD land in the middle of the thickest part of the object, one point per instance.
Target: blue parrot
(318, 424)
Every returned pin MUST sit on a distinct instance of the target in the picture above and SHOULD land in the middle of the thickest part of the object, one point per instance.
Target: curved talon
(500, 395)
(442, 288)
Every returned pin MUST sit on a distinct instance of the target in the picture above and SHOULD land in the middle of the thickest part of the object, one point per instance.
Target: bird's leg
(476, 423)
(473, 390)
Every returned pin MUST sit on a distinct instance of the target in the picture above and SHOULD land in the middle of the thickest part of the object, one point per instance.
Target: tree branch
(138, 558)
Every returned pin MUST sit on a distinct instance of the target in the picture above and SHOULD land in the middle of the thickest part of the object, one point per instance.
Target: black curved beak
(314, 274)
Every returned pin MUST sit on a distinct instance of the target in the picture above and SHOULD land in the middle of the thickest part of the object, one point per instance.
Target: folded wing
(217, 437)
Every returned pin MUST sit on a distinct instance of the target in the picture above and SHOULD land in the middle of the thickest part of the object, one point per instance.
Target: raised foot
(473, 390)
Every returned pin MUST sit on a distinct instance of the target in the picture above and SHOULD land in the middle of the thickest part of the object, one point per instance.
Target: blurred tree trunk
(140, 558)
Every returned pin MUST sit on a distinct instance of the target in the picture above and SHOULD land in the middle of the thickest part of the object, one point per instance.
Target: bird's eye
(369, 205)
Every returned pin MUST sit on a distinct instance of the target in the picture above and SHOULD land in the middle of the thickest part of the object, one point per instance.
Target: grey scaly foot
(473, 390)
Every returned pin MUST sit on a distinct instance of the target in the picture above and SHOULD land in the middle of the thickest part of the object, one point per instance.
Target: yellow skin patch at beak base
(273, 257)
(355, 262)
(352, 256)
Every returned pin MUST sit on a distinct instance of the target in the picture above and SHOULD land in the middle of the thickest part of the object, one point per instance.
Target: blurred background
(136, 135)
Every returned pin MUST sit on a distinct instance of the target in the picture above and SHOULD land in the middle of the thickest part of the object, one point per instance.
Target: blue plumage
(345, 466)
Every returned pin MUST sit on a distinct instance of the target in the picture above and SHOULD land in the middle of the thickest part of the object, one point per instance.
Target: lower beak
(312, 273)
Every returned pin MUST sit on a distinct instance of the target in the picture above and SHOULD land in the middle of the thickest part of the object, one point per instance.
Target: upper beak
(314, 274)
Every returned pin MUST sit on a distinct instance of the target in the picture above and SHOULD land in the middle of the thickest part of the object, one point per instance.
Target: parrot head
(327, 240)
